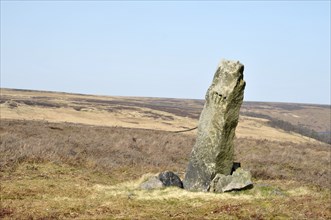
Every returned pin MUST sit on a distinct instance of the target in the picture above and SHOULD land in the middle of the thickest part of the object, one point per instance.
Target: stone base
(164, 179)
(239, 180)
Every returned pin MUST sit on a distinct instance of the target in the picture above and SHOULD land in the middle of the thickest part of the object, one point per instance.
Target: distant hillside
(309, 120)
(260, 120)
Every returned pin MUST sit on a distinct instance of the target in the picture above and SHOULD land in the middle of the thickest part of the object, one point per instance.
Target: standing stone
(213, 151)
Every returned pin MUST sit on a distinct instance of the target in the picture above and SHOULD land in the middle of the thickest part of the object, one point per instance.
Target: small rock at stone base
(151, 183)
(169, 178)
(240, 179)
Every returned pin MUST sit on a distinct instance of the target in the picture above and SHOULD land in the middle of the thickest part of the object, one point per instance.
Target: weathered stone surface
(213, 151)
(240, 179)
(168, 178)
(164, 179)
(151, 183)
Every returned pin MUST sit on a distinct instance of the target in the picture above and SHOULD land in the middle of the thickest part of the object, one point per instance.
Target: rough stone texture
(168, 178)
(240, 179)
(213, 151)
(152, 183)
(164, 179)
(219, 183)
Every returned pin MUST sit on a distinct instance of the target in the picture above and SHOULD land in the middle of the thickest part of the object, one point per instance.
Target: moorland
(80, 156)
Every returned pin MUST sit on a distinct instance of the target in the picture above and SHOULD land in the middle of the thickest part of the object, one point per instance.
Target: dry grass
(306, 163)
(105, 149)
(150, 113)
(316, 117)
(63, 170)
(137, 151)
(53, 191)
(146, 113)
(258, 129)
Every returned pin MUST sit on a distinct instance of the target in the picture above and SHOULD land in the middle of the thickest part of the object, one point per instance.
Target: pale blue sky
(167, 48)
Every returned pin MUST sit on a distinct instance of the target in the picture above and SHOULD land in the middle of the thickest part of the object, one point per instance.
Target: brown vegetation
(52, 169)
(165, 114)
(108, 148)
(101, 148)
(64, 170)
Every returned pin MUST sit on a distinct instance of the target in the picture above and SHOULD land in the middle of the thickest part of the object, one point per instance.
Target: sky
(167, 48)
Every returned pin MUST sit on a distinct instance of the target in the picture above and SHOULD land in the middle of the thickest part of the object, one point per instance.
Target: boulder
(164, 179)
(240, 179)
(213, 151)
(168, 178)
(152, 182)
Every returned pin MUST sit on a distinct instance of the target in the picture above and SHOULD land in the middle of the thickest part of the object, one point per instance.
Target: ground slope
(67, 156)
(156, 113)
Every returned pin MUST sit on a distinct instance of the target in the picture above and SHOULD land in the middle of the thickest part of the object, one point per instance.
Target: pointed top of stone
(228, 74)
(228, 61)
